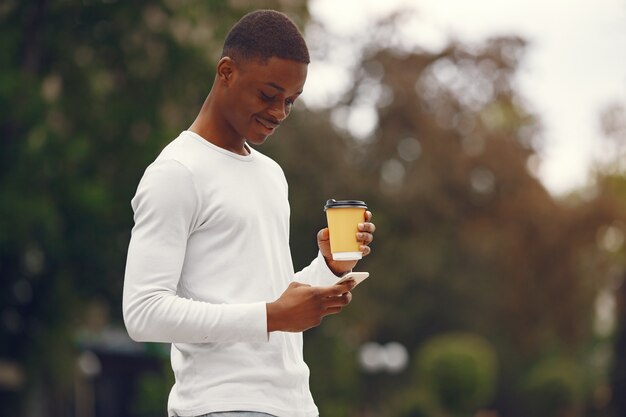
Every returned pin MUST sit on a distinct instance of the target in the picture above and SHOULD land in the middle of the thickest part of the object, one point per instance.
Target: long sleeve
(317, 273)
(166, 212)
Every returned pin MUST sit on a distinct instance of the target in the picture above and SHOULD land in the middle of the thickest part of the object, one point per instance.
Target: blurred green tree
(460, 370)
(468, 238)
(611, 187)
(554, 387)
(90, 91)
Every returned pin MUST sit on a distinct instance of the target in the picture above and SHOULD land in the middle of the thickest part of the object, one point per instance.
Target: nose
(279, 111)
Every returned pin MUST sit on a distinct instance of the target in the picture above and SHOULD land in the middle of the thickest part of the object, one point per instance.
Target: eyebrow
(279, 88)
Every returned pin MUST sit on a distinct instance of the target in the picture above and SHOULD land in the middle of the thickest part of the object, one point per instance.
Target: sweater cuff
(327, 277)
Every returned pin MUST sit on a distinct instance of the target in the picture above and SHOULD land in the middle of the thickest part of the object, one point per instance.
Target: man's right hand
(301, 306)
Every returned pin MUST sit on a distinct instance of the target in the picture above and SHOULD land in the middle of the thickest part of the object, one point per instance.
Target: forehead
(285, 73)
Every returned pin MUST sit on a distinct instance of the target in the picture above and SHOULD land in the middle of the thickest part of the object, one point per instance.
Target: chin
(256, 139)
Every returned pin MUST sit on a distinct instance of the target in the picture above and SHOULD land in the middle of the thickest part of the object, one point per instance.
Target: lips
(270, 126)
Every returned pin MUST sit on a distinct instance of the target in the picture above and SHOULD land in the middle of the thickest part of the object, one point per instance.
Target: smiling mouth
(271, 126)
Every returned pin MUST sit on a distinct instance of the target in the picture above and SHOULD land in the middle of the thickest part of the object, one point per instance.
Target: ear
(226, 69)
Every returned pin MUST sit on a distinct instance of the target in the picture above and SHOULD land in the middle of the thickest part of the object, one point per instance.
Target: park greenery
(497, 289)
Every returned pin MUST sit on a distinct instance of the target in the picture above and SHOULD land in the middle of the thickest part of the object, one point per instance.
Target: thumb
(296, 284)
(323, 235)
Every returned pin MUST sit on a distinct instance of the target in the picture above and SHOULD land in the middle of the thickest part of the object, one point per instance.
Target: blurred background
(487, 138)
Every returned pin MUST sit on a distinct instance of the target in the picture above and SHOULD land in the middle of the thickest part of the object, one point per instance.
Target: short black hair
(264, 34)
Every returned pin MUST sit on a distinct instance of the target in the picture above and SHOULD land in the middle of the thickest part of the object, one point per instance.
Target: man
(209, 268)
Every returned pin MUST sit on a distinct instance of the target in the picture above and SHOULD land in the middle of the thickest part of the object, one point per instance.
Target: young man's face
(260, 96)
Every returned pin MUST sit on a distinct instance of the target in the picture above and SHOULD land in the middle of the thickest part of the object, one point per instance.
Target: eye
(267, 97)
(291, 100)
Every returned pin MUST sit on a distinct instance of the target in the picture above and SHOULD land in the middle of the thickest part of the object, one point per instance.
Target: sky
(574, 67)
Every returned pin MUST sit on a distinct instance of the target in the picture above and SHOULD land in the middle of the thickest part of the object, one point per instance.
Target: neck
(213, 128)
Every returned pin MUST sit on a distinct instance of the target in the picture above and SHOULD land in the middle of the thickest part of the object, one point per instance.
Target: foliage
(90, 91)
(334, 370)
(152, 393)
(554, 387)
(467, 237)
(460, 370)
(467, 240)
(419, 403)
(611, 188)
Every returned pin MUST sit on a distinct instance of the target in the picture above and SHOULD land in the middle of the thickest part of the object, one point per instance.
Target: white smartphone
(358, 277)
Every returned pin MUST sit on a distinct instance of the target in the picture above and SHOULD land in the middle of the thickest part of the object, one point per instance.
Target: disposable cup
(343, 217)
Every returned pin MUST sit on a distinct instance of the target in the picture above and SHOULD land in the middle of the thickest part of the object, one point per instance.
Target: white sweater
(209, 249)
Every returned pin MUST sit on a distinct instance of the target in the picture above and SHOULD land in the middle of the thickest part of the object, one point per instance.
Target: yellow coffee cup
(343, 217)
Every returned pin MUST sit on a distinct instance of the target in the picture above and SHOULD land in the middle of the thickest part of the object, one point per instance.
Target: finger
(365, 250)
(345, 300)
(347, 285)
(367, 227)
(323, 235)
(296, 284)
(340, 301)
(336, 290)
(333, 310)
(366, 238)
(368, 216)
